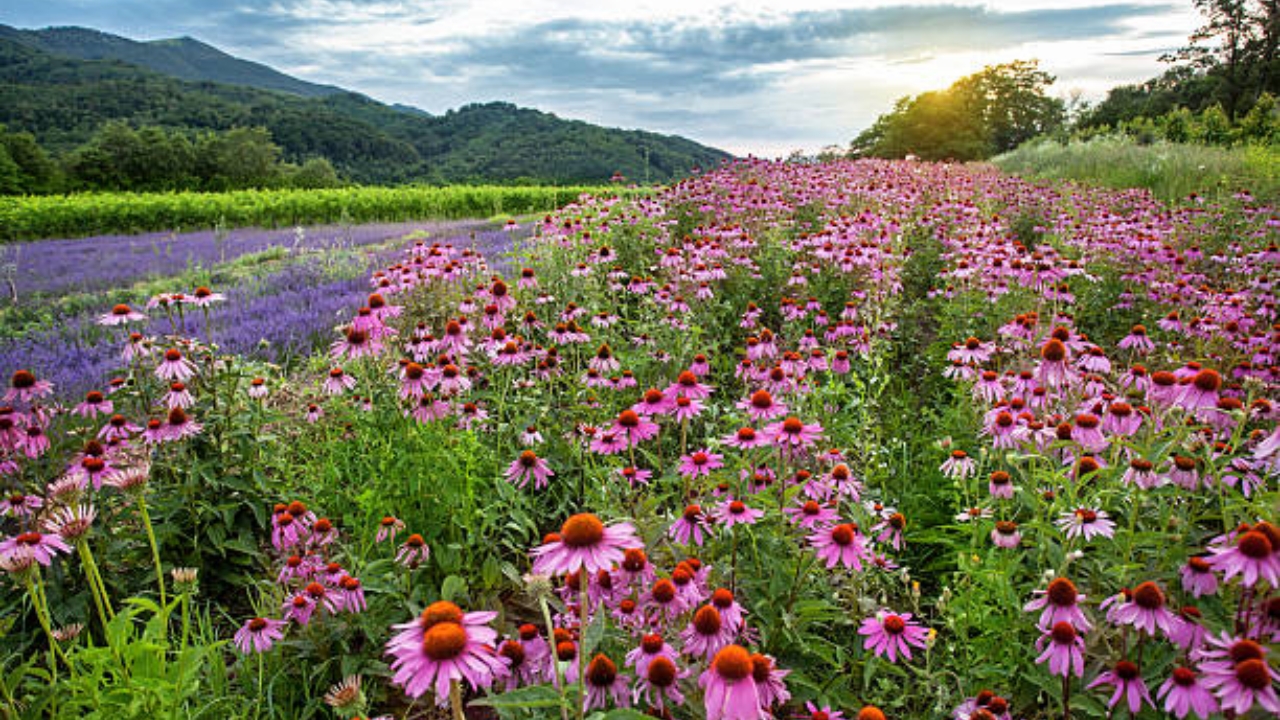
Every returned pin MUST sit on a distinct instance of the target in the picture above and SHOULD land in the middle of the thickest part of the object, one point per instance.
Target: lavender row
(109, 261)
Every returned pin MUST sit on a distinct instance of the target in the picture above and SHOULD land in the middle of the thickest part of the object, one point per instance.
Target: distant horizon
(738, 77)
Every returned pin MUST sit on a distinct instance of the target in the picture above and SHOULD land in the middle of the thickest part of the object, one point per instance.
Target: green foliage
(988, 112)
(89, 214)
(1171, 171)
(64, 102)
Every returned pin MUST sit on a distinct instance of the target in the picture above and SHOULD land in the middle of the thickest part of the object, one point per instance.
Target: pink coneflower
(689, 527)
(94, 404)
(355, 344)
(769, 679)
(1141, 473)
(413, 552)
(607, 443)
(1198, 577)
(584, 542)
(659, 683)
(700, 463)
(1137, 341)
(972, 351)
(1060, 602)
(1243, 678)
(471, 416)
(654, 402)
(1065, 651)
(25, 387)
(891, 528)
(531, 436)
(735, 512)
(959, 466)
(179, 426)
(651, 647)
(731, 692)
(686, 409)
(840, 544)
(1006, 535)
(1053, 370)
(688, 384)
(178, 396)
(20, 506)
(33, 546)
(1086, 431)
(823, 712)
(811, 515)
(664, 600)
(258, 388)
(1087, 523)
(259, 635)
(707, 633)
(443, 645)
(204, 297)
(350, 595)
(635, 476)
(298, 608)
(745, 439)
(1250, 554)
(1183, 694)
(529, 465)
(1121, 419)
(338, 382)
(429, 408)
(388, 527)
(892, 634)
(175, 367)
(1128, 683)
(605, 683)
(793, 434)
(1146, 610)
(1202, 392)
(633, 427)
(119, 315)
(761, 406)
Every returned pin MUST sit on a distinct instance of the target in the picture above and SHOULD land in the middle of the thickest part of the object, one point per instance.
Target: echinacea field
(713, 360)
(856, 439)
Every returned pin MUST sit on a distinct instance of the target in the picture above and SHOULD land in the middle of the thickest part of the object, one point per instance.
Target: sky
(748, 76)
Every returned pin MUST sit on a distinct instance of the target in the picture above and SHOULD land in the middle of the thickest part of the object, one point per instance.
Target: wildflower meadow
(850, 440)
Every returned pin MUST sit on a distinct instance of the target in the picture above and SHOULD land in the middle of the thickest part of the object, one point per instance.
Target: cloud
(741, 75)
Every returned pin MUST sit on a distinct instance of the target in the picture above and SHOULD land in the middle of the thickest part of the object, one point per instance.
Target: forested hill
(63, 101)
(183, 58)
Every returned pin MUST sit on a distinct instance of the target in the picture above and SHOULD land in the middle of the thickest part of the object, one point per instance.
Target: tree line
(151, 158)
(1221, 89)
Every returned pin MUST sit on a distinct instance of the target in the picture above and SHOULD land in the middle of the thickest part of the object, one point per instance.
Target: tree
(1011, 103)
(238, 158)
(988, 112)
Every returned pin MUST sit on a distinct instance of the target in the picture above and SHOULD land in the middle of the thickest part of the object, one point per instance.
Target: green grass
(1171, 171)
(32, 217)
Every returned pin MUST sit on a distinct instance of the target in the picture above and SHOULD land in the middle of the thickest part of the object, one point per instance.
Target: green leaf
(454, 588)
(534, 696)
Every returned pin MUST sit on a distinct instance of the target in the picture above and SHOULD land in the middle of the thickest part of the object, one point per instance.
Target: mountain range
(62, 84)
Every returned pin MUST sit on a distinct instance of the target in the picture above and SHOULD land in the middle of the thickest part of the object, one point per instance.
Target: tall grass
(1171, 171)
(25, 218)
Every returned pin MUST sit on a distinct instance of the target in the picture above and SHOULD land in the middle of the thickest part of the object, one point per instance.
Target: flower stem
(582, 641)
(455, 700)
(95, 581)
(155, 549)
(1066, 697)
(555, 664)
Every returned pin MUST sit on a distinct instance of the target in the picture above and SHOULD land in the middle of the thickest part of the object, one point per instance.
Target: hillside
(183, 58)
(63, 100)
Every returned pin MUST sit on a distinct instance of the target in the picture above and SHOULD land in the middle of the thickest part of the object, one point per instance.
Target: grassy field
(49, 216)
(1171, 171)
